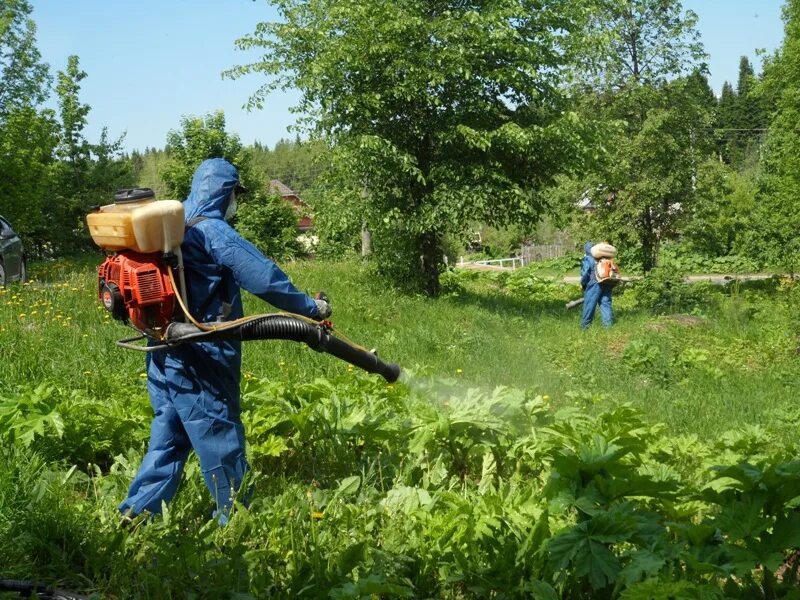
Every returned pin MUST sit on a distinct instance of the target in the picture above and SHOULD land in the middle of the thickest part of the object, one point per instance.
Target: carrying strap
(193, 221)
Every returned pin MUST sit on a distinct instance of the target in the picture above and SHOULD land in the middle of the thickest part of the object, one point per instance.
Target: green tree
(269, 223)
(722, 213)
(749, 113)
(440, 113)
(85, 174)
(27, 143)
(198, 139)
(741, 117)
(111, 170)
(24, 78)
(148, 167)
(778, 208)
(725, 123)
(647, 70)
(27, 133)
(646, 191)
(74, 150)
(700, 89)
(293, 162)
(71, 172)
(643, 42)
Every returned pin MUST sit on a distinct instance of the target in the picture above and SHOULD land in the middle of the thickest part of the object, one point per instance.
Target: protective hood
(587, 247)
(212, 184)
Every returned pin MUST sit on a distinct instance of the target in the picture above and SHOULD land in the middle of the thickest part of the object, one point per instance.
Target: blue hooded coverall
(194, 388)
(594, 292)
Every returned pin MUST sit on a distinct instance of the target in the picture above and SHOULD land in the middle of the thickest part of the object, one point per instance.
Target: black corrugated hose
(31, 589)
(281, 327)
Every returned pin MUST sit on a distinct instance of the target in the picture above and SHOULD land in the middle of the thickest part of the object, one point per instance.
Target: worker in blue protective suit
(594, 292)
(194, 388)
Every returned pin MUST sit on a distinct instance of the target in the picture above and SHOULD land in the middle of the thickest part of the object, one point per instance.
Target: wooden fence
(527, 254)
(537, 252)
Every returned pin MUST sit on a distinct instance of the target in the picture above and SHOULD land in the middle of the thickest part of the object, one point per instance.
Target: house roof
(281, 188)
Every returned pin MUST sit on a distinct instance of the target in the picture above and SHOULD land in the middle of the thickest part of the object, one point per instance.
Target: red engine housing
(136, 287)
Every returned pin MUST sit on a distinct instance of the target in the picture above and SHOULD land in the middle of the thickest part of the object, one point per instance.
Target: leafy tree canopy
(779, 207)
(442, 112)
(643, 42)
(24, 78)
(647, 80)
(198, 139)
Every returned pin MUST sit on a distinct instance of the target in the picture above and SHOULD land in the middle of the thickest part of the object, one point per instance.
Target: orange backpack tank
(607, 271)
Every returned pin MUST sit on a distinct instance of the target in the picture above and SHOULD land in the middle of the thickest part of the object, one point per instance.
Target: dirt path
(717, 279)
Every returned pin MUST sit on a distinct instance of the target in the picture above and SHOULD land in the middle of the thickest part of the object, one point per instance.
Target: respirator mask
(232, 206)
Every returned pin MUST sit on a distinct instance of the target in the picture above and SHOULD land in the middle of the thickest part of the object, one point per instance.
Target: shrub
(663, 291)
(680, 259)
(271, 224)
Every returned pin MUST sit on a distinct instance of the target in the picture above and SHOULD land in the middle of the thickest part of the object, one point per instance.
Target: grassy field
(729, 364)
(718, 364)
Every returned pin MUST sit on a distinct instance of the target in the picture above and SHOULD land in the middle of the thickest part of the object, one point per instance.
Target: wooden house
(304, 222)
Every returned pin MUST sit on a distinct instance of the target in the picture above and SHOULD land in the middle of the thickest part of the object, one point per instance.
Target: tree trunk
(366, 240)
(649, 243)
(430, 254)
(428, 243)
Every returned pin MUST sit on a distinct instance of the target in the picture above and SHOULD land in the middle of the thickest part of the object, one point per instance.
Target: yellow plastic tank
(136, 221)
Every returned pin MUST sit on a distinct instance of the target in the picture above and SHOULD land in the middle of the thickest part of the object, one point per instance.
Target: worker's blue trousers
(597, 294)
(189, 413)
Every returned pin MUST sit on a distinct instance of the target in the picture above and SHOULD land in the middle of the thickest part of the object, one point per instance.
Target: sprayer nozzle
(391, 373)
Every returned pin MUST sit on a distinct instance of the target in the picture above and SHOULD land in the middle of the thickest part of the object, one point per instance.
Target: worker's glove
(323, 303)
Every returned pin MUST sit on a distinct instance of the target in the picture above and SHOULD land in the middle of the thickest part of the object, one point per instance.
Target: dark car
(12, 257)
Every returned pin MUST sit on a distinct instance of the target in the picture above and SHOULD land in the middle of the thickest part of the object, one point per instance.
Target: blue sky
(150, 62)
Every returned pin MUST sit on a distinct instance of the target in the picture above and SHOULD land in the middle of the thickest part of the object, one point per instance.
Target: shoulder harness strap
(193, 221)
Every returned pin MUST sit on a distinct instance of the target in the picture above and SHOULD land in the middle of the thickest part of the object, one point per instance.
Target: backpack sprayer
(141, 283)
(606, 270)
